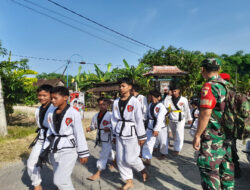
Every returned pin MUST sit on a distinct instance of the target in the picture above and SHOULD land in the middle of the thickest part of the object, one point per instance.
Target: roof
(52, 82)
(165, 70)
(104, 89)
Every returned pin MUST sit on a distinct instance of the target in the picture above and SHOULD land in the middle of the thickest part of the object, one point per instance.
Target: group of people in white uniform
(135, 128)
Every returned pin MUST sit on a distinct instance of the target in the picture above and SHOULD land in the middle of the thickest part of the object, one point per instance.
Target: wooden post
(3, 122)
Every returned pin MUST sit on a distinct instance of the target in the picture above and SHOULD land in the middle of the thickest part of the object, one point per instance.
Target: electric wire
(76, 28)
(101, 25)
(84, 24)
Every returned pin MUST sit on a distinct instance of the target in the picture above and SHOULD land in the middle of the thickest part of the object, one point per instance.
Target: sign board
(164, 85)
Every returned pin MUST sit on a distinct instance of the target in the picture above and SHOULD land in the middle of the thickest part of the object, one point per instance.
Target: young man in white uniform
(102, 122)
(143, 100)
(178, 109)
(65, 138)
(129, 132)
(156, 128)
(41, 115)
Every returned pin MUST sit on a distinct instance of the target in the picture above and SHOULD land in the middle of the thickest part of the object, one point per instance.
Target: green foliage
(190, 61)
(17, 86)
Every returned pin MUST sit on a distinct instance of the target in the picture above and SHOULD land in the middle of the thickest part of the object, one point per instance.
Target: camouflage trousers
(216, 165)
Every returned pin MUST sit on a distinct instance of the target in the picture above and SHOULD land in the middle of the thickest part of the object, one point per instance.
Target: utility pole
(3, 122)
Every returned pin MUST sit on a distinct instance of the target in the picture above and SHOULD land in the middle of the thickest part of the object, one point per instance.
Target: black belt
(38, 131)
(44, 156)
(123, 125)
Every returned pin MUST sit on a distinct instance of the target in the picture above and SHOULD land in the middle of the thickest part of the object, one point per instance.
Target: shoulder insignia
(68, 121)
(130, 108)
(207, 98)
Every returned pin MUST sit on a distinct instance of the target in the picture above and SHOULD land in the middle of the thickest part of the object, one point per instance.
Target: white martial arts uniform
(103, 138)
(144, 106)
(33, 171)
(156, 123)
(194, 125)
(177, 120)
(68, 141)
(128, 128)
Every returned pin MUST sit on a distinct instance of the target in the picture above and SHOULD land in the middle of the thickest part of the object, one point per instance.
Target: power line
(84, 24)
(76, 28)
(101, 25)
(60, 67)
(53, 59)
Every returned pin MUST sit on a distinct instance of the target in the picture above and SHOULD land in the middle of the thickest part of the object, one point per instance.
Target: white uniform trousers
(105, 154)
(177, 128)
(63, 163)
(127, 155)
(33, 171)
(161, 139)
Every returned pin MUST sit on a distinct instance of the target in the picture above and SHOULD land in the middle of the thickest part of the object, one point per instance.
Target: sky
(220, 26)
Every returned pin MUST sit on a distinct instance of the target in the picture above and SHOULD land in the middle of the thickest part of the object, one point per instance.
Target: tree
(237, 65)
(3, 122)
(188, 61)
(17, 86)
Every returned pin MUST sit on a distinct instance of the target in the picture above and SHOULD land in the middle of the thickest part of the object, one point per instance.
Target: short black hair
(103, 99)
(45, 87)
(61, 90)
(211, 69)
(136, 87)
(125, 80)
(155, 93)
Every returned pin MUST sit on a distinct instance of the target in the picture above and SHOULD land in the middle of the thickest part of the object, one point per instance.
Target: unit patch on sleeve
(207, 98)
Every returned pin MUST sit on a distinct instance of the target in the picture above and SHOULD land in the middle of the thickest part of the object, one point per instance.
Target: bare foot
(144, 174)
(176, 153)
(147, 162)
(162, 157)
(94, 177)
(39, 187)
(129, 184)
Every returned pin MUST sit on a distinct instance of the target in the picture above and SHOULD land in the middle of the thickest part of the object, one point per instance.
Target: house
(52, 82)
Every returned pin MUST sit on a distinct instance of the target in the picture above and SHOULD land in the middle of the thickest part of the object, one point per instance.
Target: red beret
(225, 76)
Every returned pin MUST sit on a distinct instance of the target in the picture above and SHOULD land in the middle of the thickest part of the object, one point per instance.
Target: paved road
(172, 173)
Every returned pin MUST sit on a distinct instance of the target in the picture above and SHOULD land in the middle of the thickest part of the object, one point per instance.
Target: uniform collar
(213, 77)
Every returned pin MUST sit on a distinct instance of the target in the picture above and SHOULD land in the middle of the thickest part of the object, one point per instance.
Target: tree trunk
(3, 123)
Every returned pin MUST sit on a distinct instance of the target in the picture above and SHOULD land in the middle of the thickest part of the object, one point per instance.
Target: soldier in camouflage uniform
(215, 157)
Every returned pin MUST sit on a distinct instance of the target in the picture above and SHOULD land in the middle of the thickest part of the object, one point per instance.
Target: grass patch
(17, 132)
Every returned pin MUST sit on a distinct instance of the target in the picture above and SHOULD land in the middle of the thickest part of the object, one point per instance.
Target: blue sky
(221, 26)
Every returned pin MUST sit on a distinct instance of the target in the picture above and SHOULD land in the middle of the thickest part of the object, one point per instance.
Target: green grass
(18, 132)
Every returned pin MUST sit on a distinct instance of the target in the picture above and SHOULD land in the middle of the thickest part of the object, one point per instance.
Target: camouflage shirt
(213, 97)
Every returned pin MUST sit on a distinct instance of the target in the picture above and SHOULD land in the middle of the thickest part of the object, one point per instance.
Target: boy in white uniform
(102, 122)
(143, 100)
(178, 108)
(156, 128)
(41, 115)
(195, 115)
(65, 138)
(129, 131)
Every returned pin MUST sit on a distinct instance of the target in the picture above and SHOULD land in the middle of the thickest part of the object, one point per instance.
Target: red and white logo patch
(68, 121)
(157, 109)
(181, 103)
(105, 122)
(130, 108)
